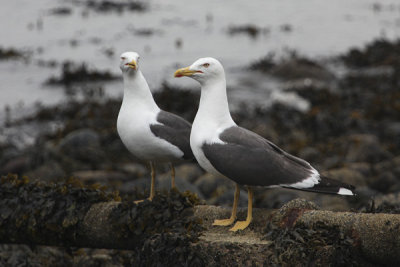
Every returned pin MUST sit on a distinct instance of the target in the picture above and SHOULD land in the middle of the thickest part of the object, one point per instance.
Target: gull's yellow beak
(132, 64)
(184, 72)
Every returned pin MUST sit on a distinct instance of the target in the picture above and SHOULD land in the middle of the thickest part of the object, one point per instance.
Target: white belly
(199, 135)
(134, 131)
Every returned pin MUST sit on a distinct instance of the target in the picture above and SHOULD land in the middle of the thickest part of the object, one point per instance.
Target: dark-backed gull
(149, 133)
(221, 147)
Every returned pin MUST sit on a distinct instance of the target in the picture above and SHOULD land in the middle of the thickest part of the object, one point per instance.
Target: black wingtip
(330, 186)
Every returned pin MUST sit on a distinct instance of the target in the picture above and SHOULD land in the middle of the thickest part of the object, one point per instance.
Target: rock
(309, 154)
(226, 198)
(163, 182)
(396, 172)
(83, 145)
(380, 52)
(249, 29)
(393, 129)
(80, 138)
(332, 162)
(8, 152)
(332, 202)
(293, 67)
(283, 215)
(365, 148)
(117, 152)
(17, 165)
(20, 255)
(346, 175)
(365, 194)
(385, 182)
(139, 185)
(92, 176)
(391, 199)
(387, 175)
(387, 165)
(209, 183)
(189, 171)
(50, 170)
(135, 170)
(275, 197)
(301, 68)
(62, 11)
(363, 168)
(70, 165)
(73, 73)
(11, 53)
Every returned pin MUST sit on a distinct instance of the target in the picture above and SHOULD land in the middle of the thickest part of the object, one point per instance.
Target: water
(319, 29)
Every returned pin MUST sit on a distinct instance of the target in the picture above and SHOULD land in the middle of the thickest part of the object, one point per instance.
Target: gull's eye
(206, 65)
(123, 58)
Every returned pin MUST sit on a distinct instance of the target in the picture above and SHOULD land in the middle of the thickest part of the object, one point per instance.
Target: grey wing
(249, 159)
(175, 130)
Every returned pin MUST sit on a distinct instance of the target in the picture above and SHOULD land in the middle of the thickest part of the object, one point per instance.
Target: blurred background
(320, 79)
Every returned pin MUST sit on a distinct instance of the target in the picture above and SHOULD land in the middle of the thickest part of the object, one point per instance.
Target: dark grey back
(249, 159)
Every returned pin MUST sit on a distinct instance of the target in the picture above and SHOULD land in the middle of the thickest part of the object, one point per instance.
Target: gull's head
(203, 70)
(129, 62)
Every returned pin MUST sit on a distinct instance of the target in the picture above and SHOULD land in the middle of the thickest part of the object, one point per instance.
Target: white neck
(137, 93)
(213, 106)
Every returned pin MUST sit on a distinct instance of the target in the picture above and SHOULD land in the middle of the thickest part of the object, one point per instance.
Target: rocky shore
(351, 132)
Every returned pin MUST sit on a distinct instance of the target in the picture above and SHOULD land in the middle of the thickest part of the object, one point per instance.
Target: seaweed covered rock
(286, 216)
(252, 30)
(69, 214)
(380, 52)
(10, 53)
(83, 145)
(349, 237)
(303, 245)
(321, 245)
(115, 6)
(292, 67)
(171, 230)
(72, 73)
(45, 213)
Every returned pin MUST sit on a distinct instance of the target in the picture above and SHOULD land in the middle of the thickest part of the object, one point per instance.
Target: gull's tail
(329, 186)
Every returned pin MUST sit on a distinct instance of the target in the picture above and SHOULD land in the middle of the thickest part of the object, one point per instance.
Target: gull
(223, 148)
(149, 133)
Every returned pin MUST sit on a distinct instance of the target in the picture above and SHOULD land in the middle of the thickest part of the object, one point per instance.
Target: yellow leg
(153, 181)
(241, 225)
(152, 187)
(226, 222)
(172, 176)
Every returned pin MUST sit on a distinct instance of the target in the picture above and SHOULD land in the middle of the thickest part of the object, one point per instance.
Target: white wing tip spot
(345, 192)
